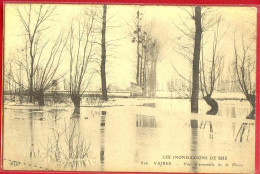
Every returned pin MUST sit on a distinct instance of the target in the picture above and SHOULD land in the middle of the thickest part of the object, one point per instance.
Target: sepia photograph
(129, 88)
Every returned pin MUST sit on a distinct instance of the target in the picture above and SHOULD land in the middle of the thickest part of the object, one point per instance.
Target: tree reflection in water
(195, 126)
(102, 139)
(145, 121)
(32, 152)
(34, 114)
(244, 130)
(67, 148)
(203, 125)
(194, 144)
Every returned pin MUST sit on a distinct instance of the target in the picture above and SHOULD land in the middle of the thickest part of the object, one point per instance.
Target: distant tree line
(36, 66)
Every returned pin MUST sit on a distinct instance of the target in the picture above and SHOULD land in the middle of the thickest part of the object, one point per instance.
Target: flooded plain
(130, 135)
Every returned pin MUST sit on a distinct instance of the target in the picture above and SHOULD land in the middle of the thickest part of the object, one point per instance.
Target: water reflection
(244, 132)
(145, 121)
(73, 142)
(102, 139)
(194, 144)
(34, 153)
(77, 147)
(233, 111)
(55, 114)
(34, 114)
(31, 119)
(66, 148)
(203, 125)
(149, 105)
(196, 130)
(65, 144)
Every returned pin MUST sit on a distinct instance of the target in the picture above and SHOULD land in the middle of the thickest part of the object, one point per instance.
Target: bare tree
(15, 83)
(146, 58)
(82, 52)
(33, 18)
(137, 39)
(10, 84)
(181, 86)
(196, 61)
(245, 64)
(154, 58)
(103, 55)
(210, 70)
(171, 86)
(40, 72)
(149, 56)
(103, 25)
(46, 74)
(191, 48)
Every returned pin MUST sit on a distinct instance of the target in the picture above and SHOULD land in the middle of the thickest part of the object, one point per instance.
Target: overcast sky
(160, 20)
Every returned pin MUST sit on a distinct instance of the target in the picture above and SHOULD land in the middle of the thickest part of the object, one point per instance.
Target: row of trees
(40, 58)
(148, 48)
(206, 71)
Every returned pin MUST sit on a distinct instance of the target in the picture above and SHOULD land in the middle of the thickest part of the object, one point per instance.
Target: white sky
(121, 66)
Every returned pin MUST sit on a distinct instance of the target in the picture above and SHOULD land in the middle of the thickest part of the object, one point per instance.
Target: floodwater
(130, 135)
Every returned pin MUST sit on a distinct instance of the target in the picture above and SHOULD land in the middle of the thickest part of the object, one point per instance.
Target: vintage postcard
(129, 88)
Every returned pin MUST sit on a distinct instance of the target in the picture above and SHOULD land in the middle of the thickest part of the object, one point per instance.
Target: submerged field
(129, 135)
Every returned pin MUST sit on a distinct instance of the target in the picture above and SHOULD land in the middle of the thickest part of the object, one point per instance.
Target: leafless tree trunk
(211, 70)
(82, 52)
(48, 73)
(147, 57)
(137, 38)
(33, 29)
(141, 61)
(245, 70)
(154, 68)
(144, 60)
(103, 56)
(138, 30)
(191, 51)
(196, 61)
(171, 86)
(39, 75)
(145, 70)
(153, 51)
